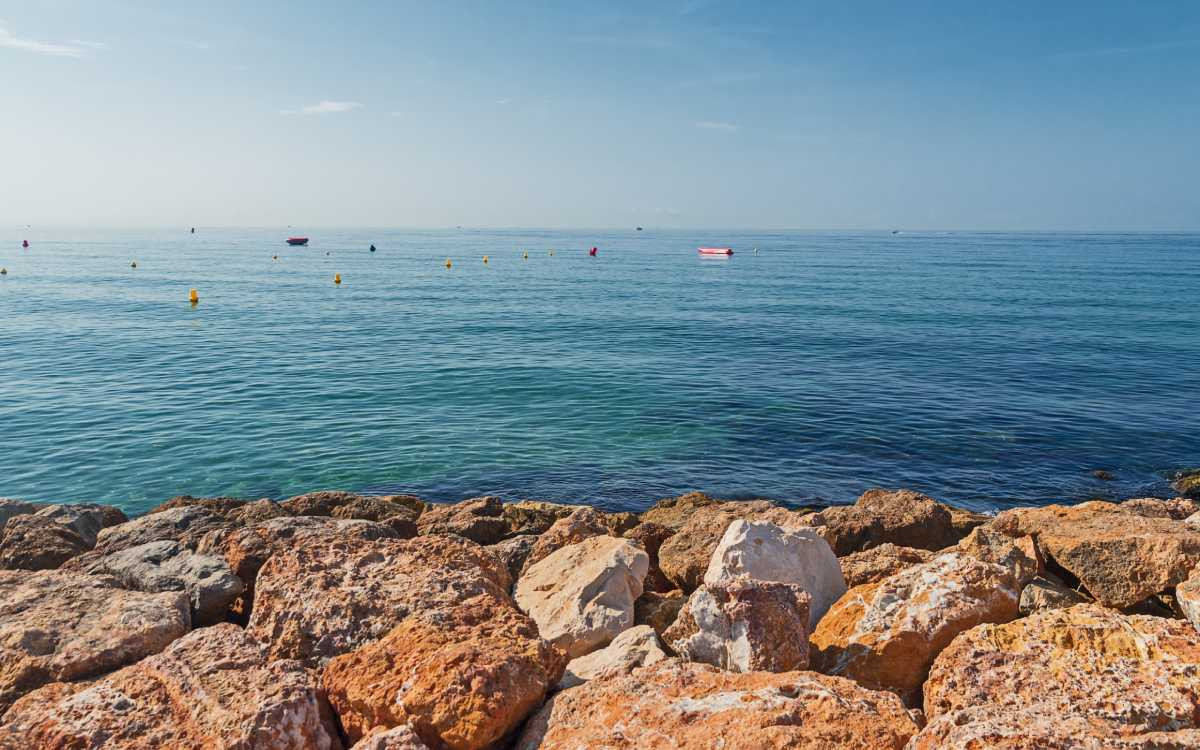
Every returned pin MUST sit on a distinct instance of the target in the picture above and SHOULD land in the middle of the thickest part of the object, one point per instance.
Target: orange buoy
(337, 278)
(194, 297)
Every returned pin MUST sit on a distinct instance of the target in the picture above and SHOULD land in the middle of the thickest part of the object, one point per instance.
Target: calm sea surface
(983, 369)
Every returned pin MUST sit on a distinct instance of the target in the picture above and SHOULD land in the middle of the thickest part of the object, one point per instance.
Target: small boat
(639, 229)
(716, 251)
(297, 240)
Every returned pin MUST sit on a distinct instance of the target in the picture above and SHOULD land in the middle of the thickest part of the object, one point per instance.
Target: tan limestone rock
(479, 519)
(580, 524)
(636, 647)
(878, 563)
(685, 557)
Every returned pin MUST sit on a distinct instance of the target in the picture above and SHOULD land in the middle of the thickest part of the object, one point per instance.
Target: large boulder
(221, 506)
(479, 519)
(1120, 558)
(582, 523)
(169, 566)
(85, 519)
(675, 704)
(636, 647)
(674, 512)
(461, 677)
(1080, 677)
(901, 517)
(316, 601)
(321, 503)
(885, 635)
(184, 524)
(1176, 509)
(581, 596)
(61, 627)
(877, 563)
(1187, 596)
(257, 512)
(10, 508)
(744, 625)
(767, 552)
(685, 556)
(31, 542)
(212, 688)
(534, 516)
(247, 548)
(380, 507)
(1019, 554)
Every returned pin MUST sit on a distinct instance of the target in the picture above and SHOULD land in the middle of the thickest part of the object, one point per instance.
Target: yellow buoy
(448, 263)
(194, 297)
(525, 255)
(485, 259)
(337, 278)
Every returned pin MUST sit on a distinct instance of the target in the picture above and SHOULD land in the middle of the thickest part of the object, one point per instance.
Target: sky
(684, 113)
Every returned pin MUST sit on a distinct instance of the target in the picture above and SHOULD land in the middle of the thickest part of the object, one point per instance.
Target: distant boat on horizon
(297, 240)
(639, 229)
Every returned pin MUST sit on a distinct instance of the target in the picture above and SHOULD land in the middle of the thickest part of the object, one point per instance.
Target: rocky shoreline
(336, 620)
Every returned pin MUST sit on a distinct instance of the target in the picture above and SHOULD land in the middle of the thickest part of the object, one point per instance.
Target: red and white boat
(726, 251)
(297, 240)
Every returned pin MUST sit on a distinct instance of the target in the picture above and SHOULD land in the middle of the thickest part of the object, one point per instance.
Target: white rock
(1193, 520)
(767, 552)
(636, 647)
(581, 596)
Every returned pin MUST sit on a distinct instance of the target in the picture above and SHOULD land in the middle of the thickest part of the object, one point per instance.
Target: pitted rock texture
(10, 508)
(580, 524)
(1120, 558)
(316, 601)
(479, 519)
(85, 519)
(31, 542)
(168, 566)
(581, 596)
(1187, 597)
(901, 517)
(744, 625)
(61, 627)
(534, 516)
(462, 677)
(675, 704)
(674, 512)
(257, 512)
(221, 506)
(767, 552)
(885, 635)
(380, 508)
(398, 738)
(878, 563)
(1019, 554)
(210, 689)
(1107, 678)
(1177, 508)
(185, 524)
(321, 503)
(636, 647)
(1048, 593)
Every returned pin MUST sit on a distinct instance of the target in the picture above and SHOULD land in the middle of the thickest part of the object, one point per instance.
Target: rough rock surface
(1048, 593)
(257, 512)
(581, 596)
(321, 503)
(479, 519)
(1176, 509)
(658, 610)
(1187, 598)
(1019, 554)
(1120, 558)
(380, 507)
(885, 635)
(169, 566)
(1188, 484)
(767, 552)
(85, 519)
(962, 521)
(684, 557)
(1109, 677)
(674, 512)
(210, 689)
(185, 524)
(878, 563)
(744, 625)
(582, 523)
(316, 601)
(674, 704)
(534, 516)
(221, 506)
(901, 517)
(66, 626)
(247, 549)
(31, 542)
(636, 647)
(651, 537)
(461, 677)
(10, 508)
(514, 551)
(397, 738)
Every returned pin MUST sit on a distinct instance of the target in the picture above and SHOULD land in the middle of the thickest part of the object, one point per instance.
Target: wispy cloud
(1125, 50)
(69, 49)
(728, 127)
(323, 107)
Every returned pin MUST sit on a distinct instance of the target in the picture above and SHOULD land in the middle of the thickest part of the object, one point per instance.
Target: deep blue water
(983, 369)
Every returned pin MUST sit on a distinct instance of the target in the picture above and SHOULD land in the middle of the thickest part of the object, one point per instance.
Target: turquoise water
(984, 369)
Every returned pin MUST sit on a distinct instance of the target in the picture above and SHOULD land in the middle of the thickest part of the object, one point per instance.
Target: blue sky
(676, 114)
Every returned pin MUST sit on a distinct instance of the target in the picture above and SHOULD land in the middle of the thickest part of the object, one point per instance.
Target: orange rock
(460, 678)
(210, 689)
(901, 517)
(1086, 676)
(30, 542)
(317, 601)
(1120, 558)
(1019, 554)
(674, 512)
(398, 738)
(1176, 509)
(674, 704)
(885, 635)
(878, 563)
(478, 519)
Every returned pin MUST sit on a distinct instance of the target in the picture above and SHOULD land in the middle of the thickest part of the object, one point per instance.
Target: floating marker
(274, 257)
(133, 264)
(525, 255)
(448, 263)
(552, 252)
(485, 259)
(337, 278)
(194, 297)
(3, 271)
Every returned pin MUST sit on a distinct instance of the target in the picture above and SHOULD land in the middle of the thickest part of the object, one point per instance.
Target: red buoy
(592, 252)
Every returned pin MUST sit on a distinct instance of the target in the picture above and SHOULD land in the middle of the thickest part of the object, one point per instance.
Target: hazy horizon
(689, 115)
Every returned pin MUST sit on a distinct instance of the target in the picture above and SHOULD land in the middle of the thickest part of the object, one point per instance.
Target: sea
(984, 369)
